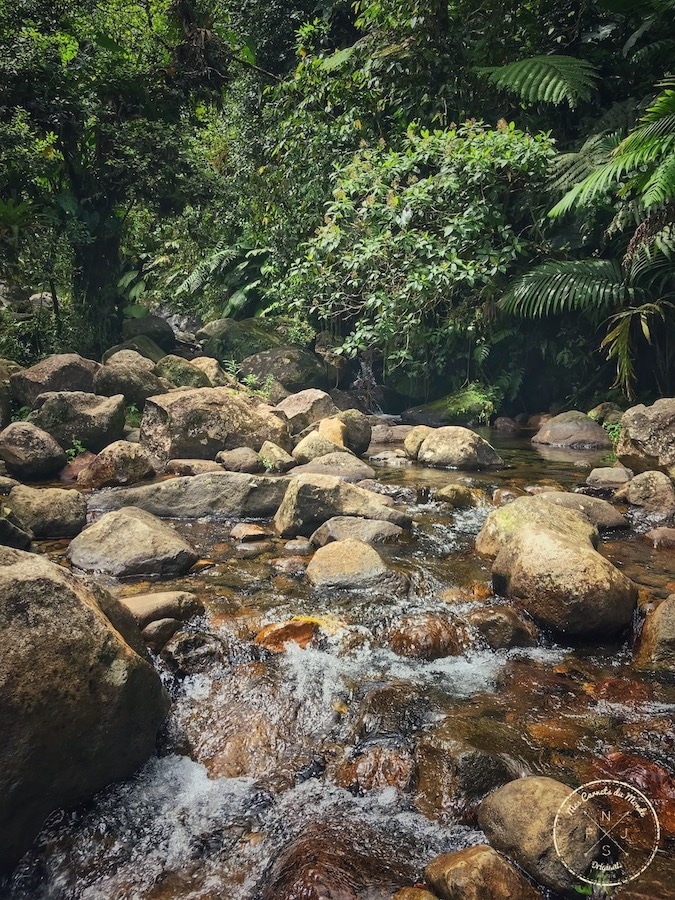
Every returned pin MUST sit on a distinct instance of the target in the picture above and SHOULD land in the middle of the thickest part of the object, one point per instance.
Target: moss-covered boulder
(294, 368)
(181, 372)
(153, 327)
(227, 339)
(471, 406)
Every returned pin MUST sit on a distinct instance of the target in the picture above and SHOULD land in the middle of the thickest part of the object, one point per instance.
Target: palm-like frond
(551, 79)
(571, 168)
(217, 262)
(591, 286)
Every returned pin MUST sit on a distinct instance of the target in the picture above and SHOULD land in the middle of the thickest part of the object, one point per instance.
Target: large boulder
(311, 500)
(341, 463)
(220, 494)
(653, 491)
(457, 448)
(127, 376)
(350, 565)
(229, 339)
(656, 652)
(564, 584)
(647, 438)
(478, 873)
(217, 376)
(598, 512)
(503, 523)
(518, 820)
(119, 463)
(358, 430)
(181, 372)
(314, 446)
(131, 542)
(296, 369)
(306, 407)
(157, 329)
(575, 430)
(49, 512)
(342, 528)
(197, 424)
(80, 702)
(71, 416)
(29, 452)
(64, 372)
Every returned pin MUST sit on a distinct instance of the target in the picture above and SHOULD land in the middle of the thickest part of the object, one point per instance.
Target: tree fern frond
(657, 49)
(217, 262)
(661, 185)
(551, 79)
(591, 286)
(571, 168)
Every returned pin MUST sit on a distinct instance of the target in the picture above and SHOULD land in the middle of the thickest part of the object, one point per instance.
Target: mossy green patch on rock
(472, 405)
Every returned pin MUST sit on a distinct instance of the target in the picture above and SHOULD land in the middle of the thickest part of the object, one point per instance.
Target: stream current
(321, 770)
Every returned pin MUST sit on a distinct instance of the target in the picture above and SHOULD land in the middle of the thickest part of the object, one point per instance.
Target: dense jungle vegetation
(465, 193)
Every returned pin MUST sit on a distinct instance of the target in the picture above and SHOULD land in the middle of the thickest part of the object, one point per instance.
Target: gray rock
(243, 459)
(217, 376)
(359, 430)
(311, 500)
(341, 464)
(574, 430)
(134, 381)
(64, 372)
(609, 478)
(296, 369)
(13, 532)
(192, 467)
(80, 702)
(49, 512)
(349, 565)
(131, 542)
(454, 447)
(342, 528)
(197, 424)
(218, 494)
(647, 438)
(121, 462)
(598, 512)
(147, 608)
(653, 491)
(564, 584)
(29, 452)
(153, 327)
(306, 407)
(656, 651)
(71, 416)
(181, 372)
(158, 633)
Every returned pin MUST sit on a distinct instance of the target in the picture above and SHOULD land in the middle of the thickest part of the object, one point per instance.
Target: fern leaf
(661, 186)
(550, 79)
(592, 286)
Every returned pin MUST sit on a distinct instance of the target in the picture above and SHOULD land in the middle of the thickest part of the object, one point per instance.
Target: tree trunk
(97, 300)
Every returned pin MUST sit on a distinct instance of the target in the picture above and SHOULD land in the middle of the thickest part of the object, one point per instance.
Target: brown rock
(426, 636)
(71, 416)
(275, 636)
(477, 873)
(377, 768)
(458, 496)
(351, 564)
(63, 372)
(248, 531)
(118, 463)
(656, 651)
(502, 628)
(415, 438)
(306, 407)
(455, 447)
(242, 459)
(49, 512)
(574, 430)
(661, 538)
(647, 438)
(191, 467)
(147, 608)
(30, 452)
(157, 634)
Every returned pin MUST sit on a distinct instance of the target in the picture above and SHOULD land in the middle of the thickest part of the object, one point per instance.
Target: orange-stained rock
(375, 769)
(478, 873)
(276, 635)
(427, 636)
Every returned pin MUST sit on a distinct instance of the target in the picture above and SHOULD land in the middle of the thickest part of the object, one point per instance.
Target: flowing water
(323, 770)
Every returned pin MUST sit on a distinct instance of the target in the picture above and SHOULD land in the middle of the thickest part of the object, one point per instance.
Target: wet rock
(311, 500)
(49, 512)
(191, 467)
(656, 652)
(181, 372)
(247, 531)
(217, 376)
(415, 438)
(609, 478)
(275, 636)
(563, 584)
(502, 628)
(199, 423)
(607, 412)
(63, 372)
(71, 416)
(306, 407)
(118, 463)
(477, 873)
(458, 496)
(426, 636)
(502, 524)
(351, 564)
(70, 472)
(340, 464)
(147, 608)
(661, 538)
(300, 547)
(341, 528)
(293, 566)
(194, 652)
(243, 459)
(130, 378)
(502, 496)
(518, 820)
(6, 485)
(376, 768)
(275, 458)
(454, 447)
(13, 532)
(652, 491)
(358, 430)
(153, 327)
(504, 423)
(252, 550)
(574, 430)
(413, 893)
(221, 494)
(395, 710)
(80, 704)
(294, 368)
(647, 438)
(131, 542)
(159, 632)
(30, 452)
(598, 512)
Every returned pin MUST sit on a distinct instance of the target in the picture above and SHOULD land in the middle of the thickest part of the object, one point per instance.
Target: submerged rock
(574, 430)
(80, 703)
(426, 636)
(30, 452)
(131, 542)
(502, 628)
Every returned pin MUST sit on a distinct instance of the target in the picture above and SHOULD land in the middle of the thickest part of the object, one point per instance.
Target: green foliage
(613, 430)
(133, 416)
(76, 449)
(419, 236)
(549, 79)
